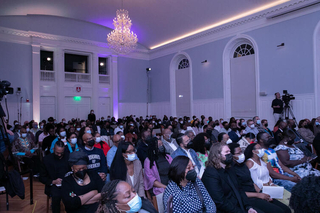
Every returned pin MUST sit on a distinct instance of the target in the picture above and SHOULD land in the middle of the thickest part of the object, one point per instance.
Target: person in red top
(101, 144)
(131, 136)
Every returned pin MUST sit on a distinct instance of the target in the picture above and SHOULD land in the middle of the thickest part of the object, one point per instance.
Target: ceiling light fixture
(250, 12)
(121, 39)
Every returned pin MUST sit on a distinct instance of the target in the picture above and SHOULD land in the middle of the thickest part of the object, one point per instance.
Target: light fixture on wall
(148, 69)
(121, 39)
(205, 61)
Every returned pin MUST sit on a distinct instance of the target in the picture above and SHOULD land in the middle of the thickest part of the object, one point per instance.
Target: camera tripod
(287, 111)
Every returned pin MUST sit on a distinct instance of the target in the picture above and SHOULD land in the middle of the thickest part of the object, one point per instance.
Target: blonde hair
(214, 157)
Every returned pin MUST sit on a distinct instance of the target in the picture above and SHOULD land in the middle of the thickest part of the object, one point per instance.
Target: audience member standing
(92, 117)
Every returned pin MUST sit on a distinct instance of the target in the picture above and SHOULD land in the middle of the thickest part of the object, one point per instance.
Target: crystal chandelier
(121, 39)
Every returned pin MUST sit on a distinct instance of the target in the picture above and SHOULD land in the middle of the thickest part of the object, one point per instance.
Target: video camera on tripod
(286, 97)
(5, 88)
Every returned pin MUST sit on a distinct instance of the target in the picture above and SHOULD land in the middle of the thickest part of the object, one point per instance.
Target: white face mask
(41, 127)
(73, 140)
(252, 126)
(122, 136)
(98, 139)
(261, 153)
(131, 157)
(88, 131)
(135, 204)
(63, 134)
(28, 130)
(241, 158)
(229, 141)
(23, 135)
(78, 129)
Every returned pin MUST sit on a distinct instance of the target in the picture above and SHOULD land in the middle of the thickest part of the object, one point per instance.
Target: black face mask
(192, 175)
(57, 157)
(306, 126)
(271, 141)
(190, 145)
(81, 174)
(266, 125)
(91, 142)
(161, 149)
(228, 160)
(291, 142)
(207, 145)
(294, 126)
(209, 132)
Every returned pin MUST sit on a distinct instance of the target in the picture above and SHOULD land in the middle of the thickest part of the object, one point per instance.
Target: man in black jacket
(52, 171)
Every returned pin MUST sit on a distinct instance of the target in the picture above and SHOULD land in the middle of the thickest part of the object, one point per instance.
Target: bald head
(86, 137)
(166, 134)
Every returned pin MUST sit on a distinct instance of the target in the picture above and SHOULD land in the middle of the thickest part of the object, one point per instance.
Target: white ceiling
(154, 21)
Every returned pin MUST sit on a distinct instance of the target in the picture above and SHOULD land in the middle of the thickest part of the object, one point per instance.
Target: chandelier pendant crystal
(121, 39)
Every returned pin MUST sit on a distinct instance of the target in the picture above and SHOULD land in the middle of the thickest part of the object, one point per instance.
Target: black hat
(78, 158)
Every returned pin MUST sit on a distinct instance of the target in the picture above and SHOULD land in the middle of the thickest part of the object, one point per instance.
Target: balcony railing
(77, 77)
(47, 75)
(104, 79)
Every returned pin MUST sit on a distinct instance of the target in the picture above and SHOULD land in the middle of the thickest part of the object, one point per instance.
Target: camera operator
(2, 143)
(277, 105)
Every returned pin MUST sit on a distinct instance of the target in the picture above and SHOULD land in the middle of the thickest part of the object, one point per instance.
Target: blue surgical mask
(135, 204)
(88, 131)
(63, 134)
(258, 122)
(317, 123)
(131, 157)
(243, 123)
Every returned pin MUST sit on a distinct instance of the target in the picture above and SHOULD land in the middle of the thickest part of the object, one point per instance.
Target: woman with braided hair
(118, 196)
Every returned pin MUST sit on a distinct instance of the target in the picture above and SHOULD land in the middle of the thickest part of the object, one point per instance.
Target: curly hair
(214, 157)
(305, 195)
(108, 202)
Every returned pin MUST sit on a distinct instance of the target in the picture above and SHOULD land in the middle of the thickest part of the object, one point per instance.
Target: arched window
(243, 50)
(184, 63)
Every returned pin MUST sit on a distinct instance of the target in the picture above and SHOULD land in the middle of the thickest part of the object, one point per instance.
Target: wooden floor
(18, 205)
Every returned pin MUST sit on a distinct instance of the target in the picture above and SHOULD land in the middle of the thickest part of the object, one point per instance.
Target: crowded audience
(173, 164)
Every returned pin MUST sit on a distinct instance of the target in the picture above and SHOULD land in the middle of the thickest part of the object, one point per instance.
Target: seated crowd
(172, 164)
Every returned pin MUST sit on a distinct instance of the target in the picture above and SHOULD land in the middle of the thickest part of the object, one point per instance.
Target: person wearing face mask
(120, 127)
(292, 157)
(222, 183)
(25, 149)
(127, 167)
(185, 192)
(156, 170)
(281, 174)
(184, 150)
(264, 125)
(305, 132)
(118, 196)
(97, 159)
(131, 136)
(234, 133)
(80, 190)
(100, 144)
(142, 148)
(258, 168)
(259, 201)
(246, 140)
(92, 117)
(34, 128)
(201, 145)
(52, 171)
(62, 135)
(225, 127)
(224, 138)
(107, 129)
(169, 143)
(251, 128)
(72, 144)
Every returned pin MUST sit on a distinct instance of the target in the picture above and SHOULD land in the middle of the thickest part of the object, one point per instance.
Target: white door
(183, 96)
(104, 107)
(243, 86)
(75, 108)
(47, 107)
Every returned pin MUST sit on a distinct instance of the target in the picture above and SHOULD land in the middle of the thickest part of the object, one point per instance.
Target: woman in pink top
(156, 169)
